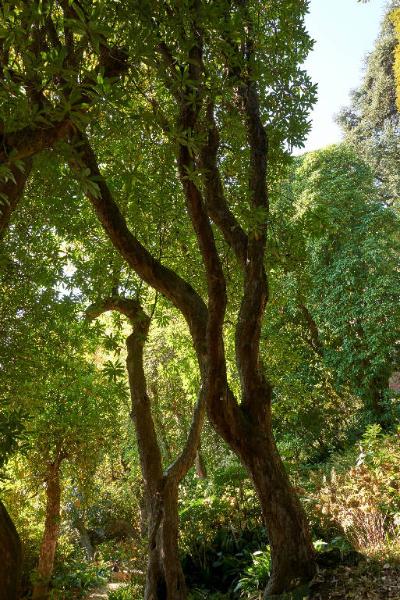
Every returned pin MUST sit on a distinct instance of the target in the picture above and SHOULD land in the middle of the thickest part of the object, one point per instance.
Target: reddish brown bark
(246, 427)
(286, 524)
(51, 530)
(288, 533)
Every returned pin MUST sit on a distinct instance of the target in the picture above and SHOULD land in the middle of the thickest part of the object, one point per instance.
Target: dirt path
(102, 593)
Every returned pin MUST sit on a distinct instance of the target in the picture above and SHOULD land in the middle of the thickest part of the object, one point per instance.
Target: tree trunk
(165, 579)
(84, 538)
(164, 576)
(250, 436)
(290, 542)
(10, 557)
(175, 580)
(151, 464)
(144, 514)
(200, 466)
(156, 587)
(227, 416)
(51, 530)
(12, 190)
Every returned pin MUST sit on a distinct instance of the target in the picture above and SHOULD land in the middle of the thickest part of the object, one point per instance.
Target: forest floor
(366, 581)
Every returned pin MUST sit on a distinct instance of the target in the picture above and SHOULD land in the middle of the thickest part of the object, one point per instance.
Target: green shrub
(257, 575)
(129, 592)
(358, 495)
(78, 576)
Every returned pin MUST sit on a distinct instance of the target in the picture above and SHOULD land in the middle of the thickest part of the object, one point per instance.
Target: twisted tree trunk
(238, 424)
(285, 521)
(247, 427)
(164, 576)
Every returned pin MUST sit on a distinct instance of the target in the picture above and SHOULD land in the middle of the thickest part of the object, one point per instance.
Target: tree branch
(13, 191)
(256, 390)
(128, 307)
(28, 141)
(216, 204)
(215, 383)
(141, 405)
(161, 278)
(149, 450)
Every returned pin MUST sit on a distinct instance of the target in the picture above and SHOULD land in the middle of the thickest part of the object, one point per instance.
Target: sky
(344, 32)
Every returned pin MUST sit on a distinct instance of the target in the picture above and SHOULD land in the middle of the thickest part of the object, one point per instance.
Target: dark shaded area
(10, 557)
(218, 566)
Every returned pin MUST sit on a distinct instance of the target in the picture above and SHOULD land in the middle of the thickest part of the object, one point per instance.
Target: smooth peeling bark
(10, 557)
(51, 531)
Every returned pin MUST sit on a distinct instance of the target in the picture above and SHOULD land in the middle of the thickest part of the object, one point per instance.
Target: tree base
(298, 593)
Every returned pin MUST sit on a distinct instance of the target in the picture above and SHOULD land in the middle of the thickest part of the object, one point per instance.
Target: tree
(226, 71)
(371, 122)
(395, 17)
(185, 70)
(56, 401)
(164, 578)
(337, 259)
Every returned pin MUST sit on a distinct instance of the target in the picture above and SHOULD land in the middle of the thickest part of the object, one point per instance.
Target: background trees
(370, 123)
(334, 281)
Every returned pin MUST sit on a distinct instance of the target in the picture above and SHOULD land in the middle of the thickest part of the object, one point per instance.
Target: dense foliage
(199, 334)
